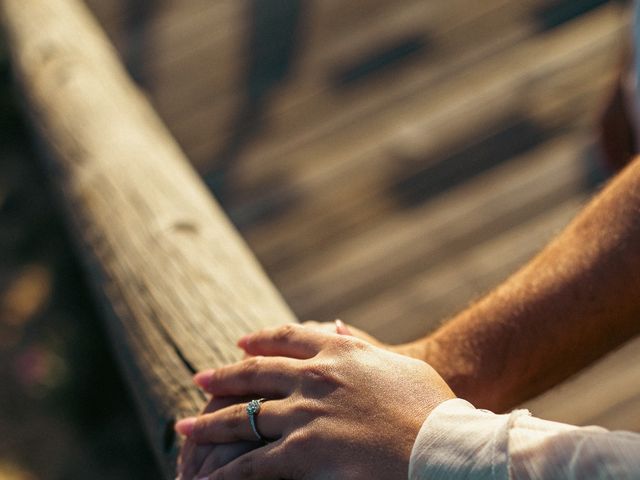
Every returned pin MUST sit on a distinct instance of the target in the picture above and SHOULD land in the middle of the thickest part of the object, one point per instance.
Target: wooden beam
(177, 283)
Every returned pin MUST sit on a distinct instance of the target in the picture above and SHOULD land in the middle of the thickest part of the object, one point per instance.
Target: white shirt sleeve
(459, 441)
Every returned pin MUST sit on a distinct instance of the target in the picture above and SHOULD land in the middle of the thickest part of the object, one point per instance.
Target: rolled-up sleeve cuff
(459, 441)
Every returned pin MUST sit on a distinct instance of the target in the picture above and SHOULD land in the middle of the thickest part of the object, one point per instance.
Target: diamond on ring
(253, 408)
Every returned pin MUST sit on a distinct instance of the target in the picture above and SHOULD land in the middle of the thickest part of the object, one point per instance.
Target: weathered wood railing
(177, 283)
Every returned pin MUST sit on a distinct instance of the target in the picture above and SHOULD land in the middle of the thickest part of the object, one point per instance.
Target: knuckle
(253, 363)
(236, 420)
(309, 409)
(251, 367)
(284, 333)
(298, 443)
(314, 373)
(359, 344)
(320, 373)
(320, 378)
(200, 428)
(205, 428)
(197, 432)
(345, 346)
(346, 343)
(216, 377)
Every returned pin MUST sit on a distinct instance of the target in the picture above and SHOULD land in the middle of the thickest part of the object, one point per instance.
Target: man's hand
(337, 407)
(413, 349)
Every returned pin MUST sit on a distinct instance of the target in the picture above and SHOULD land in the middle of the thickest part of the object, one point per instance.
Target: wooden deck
(390, 161)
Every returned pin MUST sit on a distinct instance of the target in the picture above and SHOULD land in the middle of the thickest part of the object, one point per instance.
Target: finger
(232, 424)
(291, 340)
(186, 459)
(257, 376)
(319, 326)
(193, 455)
(192, 458)
(342, 328)
(219, 402)
(337, 326)
(264, 463)
(222, 454)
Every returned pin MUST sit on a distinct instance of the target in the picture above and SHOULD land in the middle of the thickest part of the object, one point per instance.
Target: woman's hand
(195, 459)
(338, 407)
(417, 349)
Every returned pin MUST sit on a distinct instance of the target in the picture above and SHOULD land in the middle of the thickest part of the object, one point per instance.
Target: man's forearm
(576, 300)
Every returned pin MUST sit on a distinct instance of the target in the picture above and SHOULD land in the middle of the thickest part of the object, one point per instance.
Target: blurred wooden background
(388, 162)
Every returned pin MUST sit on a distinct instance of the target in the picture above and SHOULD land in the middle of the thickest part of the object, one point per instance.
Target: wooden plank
(510, 71)
(309, 100)
(177, 283)
(213, 35)
(188, 43)
(490, 203)
(374, 29)
(329, 199)
(203, 122)
(440, 25)
(359, 207)
(372, 133)
(187, 95)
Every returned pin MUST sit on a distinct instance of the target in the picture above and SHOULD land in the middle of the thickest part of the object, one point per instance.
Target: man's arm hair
(575, 301)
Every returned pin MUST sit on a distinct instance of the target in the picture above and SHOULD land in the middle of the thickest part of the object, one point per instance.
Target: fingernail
(203, 379)
(242, 343)
(341, 328)
(185, 426)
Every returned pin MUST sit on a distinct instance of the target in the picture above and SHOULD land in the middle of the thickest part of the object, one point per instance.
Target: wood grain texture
(177, 282)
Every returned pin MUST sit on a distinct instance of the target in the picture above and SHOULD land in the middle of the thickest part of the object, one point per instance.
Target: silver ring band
(253, 408)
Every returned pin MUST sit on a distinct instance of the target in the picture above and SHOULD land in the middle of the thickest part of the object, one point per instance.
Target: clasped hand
(337, 408)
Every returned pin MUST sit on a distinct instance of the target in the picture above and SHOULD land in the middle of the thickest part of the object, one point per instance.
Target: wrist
(418, 349)
(457, 370)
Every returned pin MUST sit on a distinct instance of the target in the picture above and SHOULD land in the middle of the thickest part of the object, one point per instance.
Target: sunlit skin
(357, 407)
(572, 303)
